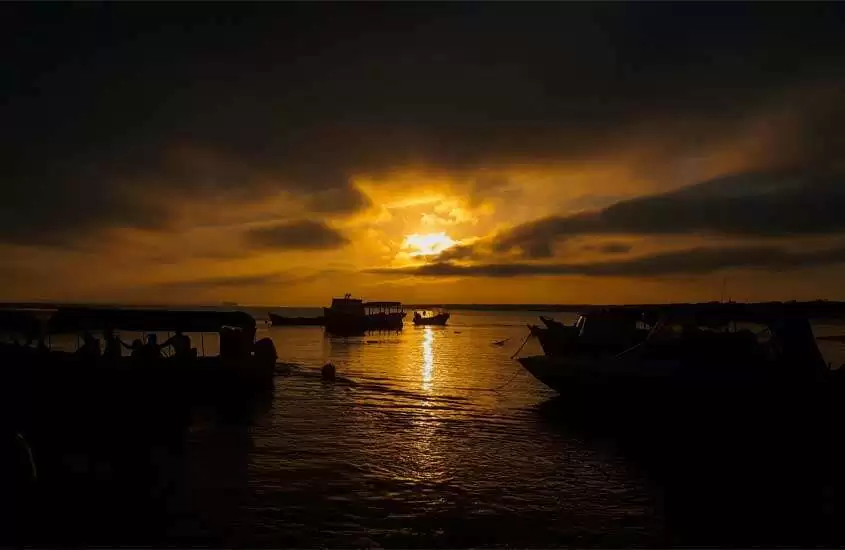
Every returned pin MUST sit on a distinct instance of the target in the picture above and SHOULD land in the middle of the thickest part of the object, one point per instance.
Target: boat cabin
(236, 329)
(384, 308)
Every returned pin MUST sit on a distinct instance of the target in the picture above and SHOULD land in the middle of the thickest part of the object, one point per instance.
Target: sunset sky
(438, 153)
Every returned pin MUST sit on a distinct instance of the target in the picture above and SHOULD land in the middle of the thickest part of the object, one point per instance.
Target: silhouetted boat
(242, 362)
(691, 349)
(349, 315)
(279, 321)
(440, 318)
(598, 331)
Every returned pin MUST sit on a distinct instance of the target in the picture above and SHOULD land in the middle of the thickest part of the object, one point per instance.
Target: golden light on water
(428, 358)
(428, 244)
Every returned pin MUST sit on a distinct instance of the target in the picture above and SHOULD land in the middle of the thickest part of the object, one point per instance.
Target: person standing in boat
(151, 350)
(90, 346)
(113, 351)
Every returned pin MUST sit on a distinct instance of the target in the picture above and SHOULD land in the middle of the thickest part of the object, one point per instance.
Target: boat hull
(610, 380)
(279, 321)
(346, 323)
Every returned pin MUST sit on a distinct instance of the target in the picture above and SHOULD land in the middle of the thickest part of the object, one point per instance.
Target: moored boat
(280, 321)
(349, 315)
(242, 361)
(692, 350)
(599, 331)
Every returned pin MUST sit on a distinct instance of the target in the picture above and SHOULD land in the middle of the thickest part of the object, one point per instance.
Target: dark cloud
(748, 205)
(693, 261)
(299, 97)
(609, 248)
(238, 281)
(235, 281)
(299, 235)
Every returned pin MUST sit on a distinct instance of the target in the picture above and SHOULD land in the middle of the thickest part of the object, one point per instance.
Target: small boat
(279, 321)
(423, 318)
(349, 315)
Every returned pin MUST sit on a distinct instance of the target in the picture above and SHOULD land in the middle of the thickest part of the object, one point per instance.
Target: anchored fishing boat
(349, 315)
(597, 331)
(697, 349)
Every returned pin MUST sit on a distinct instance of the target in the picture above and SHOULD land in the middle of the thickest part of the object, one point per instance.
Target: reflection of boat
(693, 350)
(349, 315)
(439, 318)
(279, 321)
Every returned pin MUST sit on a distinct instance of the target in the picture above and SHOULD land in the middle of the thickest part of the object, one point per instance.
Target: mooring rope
(530, 334)
(519, 368)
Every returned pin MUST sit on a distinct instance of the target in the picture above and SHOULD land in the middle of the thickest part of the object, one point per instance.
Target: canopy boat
(430, 318)
(241, 363)
(692, 349)
(353, 315)
(279, 321)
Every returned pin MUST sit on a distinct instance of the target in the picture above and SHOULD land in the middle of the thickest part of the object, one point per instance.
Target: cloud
(609, 248)
(127, 126)
(693, 261)
(298, 235)
(287, 278)
(776, 204)
(235, 281)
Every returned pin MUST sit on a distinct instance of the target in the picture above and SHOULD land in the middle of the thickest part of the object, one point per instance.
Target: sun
(428, 244)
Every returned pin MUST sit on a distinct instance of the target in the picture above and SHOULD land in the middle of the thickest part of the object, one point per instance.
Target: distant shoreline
(566, 308)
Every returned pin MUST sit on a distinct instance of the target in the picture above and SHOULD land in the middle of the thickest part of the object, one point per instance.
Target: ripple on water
(412, 448)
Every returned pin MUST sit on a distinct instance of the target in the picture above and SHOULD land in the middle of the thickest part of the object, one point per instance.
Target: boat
(699, 350)
(438, 318)
(349, 315)
(279, 321)
(552, 324)
(597, 331)
(242, 362)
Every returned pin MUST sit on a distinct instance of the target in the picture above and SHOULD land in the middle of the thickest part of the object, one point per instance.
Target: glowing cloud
(429, 244)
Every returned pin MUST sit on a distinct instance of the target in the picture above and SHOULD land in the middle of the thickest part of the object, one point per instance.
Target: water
(432, 437)
(412, 447)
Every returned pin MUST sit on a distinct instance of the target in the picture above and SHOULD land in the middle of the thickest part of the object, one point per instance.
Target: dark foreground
(411, 447)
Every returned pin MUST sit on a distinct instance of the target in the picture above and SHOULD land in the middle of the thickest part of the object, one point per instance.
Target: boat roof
(717, 312)
(383, 304)
(147, 320)
(22, 321)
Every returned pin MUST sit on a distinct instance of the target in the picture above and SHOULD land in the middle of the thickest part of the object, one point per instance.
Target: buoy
(329, 372)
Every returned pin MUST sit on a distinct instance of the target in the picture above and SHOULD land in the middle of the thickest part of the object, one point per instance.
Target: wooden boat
(349, 315)
(598, 331)
(241, 364)
(438, 319)
(691, 350)
(279, 321)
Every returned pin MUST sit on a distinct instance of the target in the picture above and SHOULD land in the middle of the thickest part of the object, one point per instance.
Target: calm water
(431, 437)
(412, 448)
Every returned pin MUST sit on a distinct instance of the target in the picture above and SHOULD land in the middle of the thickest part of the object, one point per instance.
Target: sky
(285, 153)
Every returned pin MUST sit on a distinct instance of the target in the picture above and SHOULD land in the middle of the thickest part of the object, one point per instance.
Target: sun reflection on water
(428, 358)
